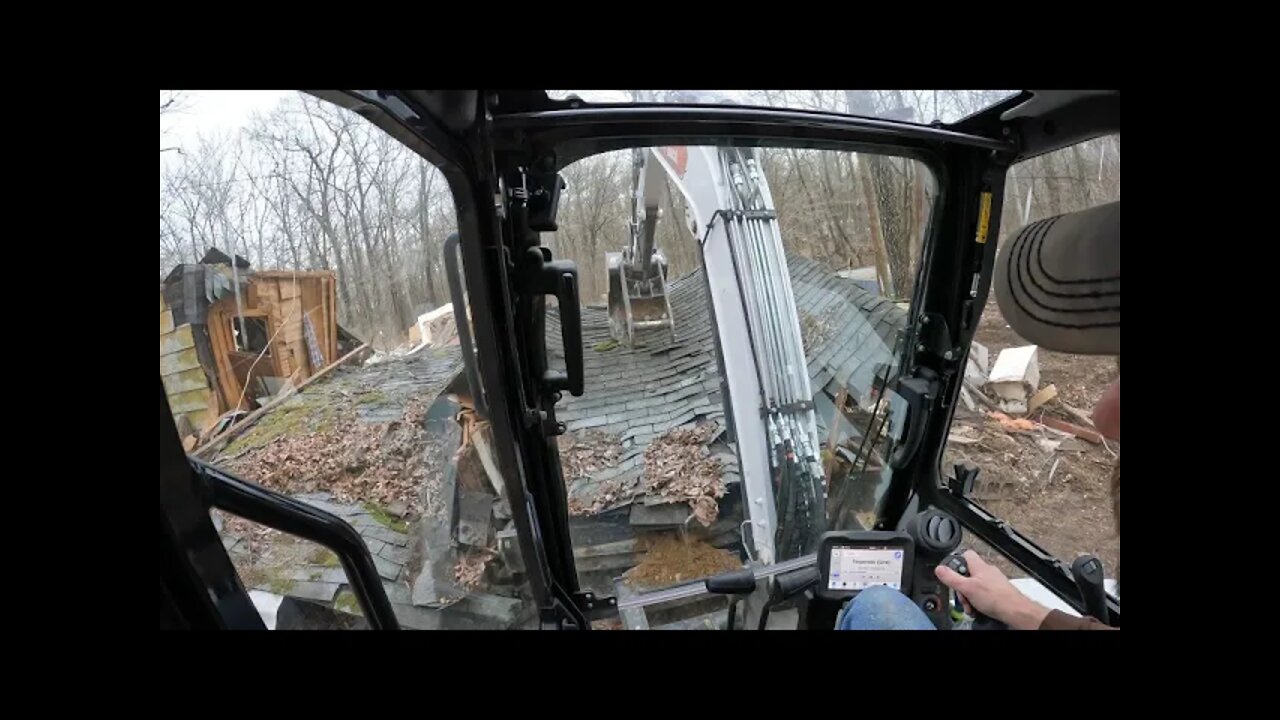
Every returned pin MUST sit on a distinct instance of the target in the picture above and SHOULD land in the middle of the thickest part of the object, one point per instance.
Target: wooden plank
(267, 291)
(833, 432)
(180, 339)
(1086, 419)
(290, 274)
(331, 315)
(163, 305)
(289, 288)
(191, 379)
(252, 417)
(1083, 433)
(1047, 393)
(175, 363)
(221, 344)
(284, 359)
(298, 354)
(190, 401)
(289, 310)
(166, 322)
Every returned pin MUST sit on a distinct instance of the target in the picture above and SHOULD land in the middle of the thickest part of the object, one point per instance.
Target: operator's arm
(989, 591)
(1058, 620)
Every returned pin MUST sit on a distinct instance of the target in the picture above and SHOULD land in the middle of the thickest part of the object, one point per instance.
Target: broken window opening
(251, 335)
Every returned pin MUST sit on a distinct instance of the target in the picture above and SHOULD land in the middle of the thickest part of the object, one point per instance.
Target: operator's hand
(990, 592)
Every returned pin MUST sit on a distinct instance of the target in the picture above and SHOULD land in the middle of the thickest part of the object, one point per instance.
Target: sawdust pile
(385, 463)
(679, 467)
(586, 452)
(669, 559)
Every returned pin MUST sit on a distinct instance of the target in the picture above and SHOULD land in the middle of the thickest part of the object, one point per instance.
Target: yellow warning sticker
(984, 217)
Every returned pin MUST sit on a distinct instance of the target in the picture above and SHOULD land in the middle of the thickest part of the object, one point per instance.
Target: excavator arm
(638, 275)
(731, 216)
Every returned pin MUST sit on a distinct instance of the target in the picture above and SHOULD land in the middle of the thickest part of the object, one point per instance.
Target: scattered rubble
(470, 568)
(1046, 393)
(436, 328)
(1040, 469)
(312, 445)
(1083, 433)
(1014, 378)
(1012, 424)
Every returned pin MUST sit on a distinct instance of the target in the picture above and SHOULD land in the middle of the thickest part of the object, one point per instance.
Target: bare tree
(310, 185)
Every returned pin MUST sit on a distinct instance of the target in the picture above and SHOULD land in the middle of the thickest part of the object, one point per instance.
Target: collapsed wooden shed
(220, 353)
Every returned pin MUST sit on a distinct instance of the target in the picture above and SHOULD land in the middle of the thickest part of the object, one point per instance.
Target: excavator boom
(731, 216)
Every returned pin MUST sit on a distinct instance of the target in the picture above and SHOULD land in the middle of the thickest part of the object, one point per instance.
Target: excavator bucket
(638, 302)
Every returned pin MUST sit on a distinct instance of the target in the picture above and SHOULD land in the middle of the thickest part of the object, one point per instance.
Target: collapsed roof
(662, 384)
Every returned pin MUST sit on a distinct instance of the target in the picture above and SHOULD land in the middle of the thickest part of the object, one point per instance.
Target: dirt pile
(670, 559)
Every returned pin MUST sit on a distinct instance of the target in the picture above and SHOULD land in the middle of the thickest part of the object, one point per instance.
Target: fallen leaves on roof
(356, 461)
(679, 467)
(586, 452)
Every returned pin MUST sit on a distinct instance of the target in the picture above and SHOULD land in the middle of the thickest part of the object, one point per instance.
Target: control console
(851, 561)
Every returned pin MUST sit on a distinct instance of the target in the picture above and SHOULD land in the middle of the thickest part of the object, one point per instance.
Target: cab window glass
(308, 343)
(1026, 425)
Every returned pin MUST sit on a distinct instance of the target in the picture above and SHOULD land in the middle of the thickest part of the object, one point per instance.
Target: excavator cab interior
(529, 341)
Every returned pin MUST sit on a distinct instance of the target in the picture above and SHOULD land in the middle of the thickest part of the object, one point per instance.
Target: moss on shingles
(252, 577)
(384, 518)
(280, 586)
(300, 414)
(325, 557)
(371, 397)
(346, 602)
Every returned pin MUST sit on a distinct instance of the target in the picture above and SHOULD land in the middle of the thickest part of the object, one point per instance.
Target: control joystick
(957, 564)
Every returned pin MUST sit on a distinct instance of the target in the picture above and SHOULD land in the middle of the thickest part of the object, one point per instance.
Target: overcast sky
(207, 111)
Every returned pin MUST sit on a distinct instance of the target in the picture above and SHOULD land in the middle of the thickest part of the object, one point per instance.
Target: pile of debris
(586, 452)
(1021, 435)
(1011, 393)
(433, 329)
(314, 444)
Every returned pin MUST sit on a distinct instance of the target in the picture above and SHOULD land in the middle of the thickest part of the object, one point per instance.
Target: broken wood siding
(282, 297)
(184, 379)
(313, 293)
